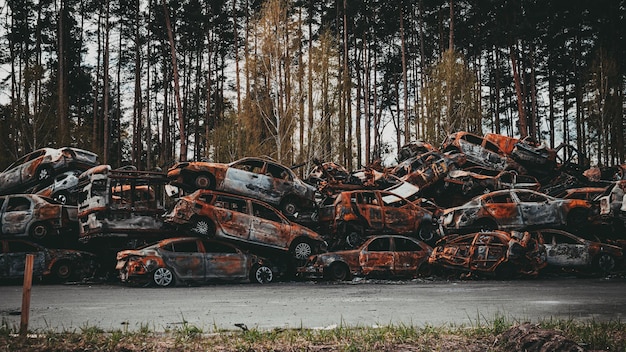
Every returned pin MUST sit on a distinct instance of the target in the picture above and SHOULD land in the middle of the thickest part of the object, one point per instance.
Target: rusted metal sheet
(505, 143)
(187, 259)
(232, 217)
(479, 151)
(494, 253)
(380, 256)
(515, 210)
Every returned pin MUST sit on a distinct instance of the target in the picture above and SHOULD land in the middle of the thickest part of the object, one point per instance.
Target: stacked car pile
(486, 205)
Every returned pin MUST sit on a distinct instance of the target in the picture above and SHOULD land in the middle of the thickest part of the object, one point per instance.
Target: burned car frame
(35, 216)
(479, 152)
(259, 178)
(515, 209)
(39, 166)
(428, 168)
(379, 256)
(489, 253)
(59, 264)
(190, 259)
(213, 214)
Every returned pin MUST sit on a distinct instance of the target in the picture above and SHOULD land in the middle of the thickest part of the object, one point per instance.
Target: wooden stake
(28, 281)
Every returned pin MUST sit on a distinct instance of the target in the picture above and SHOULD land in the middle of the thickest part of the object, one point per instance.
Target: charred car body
(59, 264)
(568, 251)
(350, 217)
(63, 188)
(428, 168)
(387, 255)
(190, 259)
(35, 216)
(41, 165)
(244, 220)
(479, 152)
(515, 209)
(613, 204)
(258, 178)
(492, 253)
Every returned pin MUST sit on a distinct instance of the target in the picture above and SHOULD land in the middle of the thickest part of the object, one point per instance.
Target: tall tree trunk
(518, 90)
(105, 112)
(63, 137)
(137, 151)
(405, 84)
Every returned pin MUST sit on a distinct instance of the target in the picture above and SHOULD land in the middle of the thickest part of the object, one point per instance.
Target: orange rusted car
(259, 178)
(352, 216)
(387, 255)
(35, 216)
(190, 259)
(428, 168)
(515, 209)
(490, 253)
(41, 165)
(480, 152)
(244, 220)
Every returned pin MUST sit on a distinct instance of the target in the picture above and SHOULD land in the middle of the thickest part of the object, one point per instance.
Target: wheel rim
(263, 275)
(63, 271)
(338, 272)
(163, 277)
(354, 239)
(201, 227)
(40, 231)
(290, 208)
(44, 174)
(302, 250)
(61, 198)
(203, 181)
(606, 263)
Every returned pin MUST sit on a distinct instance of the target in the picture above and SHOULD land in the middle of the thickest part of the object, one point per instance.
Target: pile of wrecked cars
(479, 206)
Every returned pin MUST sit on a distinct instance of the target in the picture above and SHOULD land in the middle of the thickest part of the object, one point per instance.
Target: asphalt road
(315, 305)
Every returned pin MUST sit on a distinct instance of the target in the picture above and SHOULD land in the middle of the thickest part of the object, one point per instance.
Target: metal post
(28, 281)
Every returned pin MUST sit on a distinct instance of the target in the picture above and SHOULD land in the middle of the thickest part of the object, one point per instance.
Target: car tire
(424, 270)
(604, 262)
(289, 207)
(338, 272)
(202, 227)
(163, 277)
(261, 274)
(301, 249)
(63, 271)
(203, 181)
(61, 197)
(39, 231)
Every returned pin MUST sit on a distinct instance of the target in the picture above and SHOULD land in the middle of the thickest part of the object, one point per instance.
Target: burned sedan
(41, 165)
(35, 216)
(480, 152)
(515, 209)
(427, 169)
(380, 256)
(190, 259)
(259, 178)
(350, 217)
(245, 220)
(490, 253)
(568, 251)
(58, 264)
(63, 188)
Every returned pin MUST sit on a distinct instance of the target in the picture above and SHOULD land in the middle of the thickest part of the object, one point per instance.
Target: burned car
(515, 209)
(245, 220)
(58, 264)
(380, 256)
(480, 152)
(414, 149)
(35, 216)
(350, 217)
(565, 250)
(490, 253)
(258, 178)
(427, 169)
(330, 178)
(63, 187)
(613, 204)
(41, 165)
(190, 259)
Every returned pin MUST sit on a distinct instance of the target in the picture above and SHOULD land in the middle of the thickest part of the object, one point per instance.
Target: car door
(224, 261)
(17, 215)
(369, 207)
(503, 208)
(408, 256)
(487, 252)
(185, 259)
(15, 258)
(250, 177)
(233, 216)
(399, 215)
(537, 209)
(12, 176)
(268, 227)
(565, 251)
(376, 256)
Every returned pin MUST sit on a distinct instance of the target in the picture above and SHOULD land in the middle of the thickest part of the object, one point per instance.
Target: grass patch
(480, 336)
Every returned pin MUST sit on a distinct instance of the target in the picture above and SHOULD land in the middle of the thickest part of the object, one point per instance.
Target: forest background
(148, 82)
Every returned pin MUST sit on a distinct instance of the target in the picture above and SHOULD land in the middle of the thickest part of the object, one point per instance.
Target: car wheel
(604, 262)
(44, 173)
(39, 231)
(338, 272)
(261, 274)
(203, 181)
(163, 277)
(202, 227)
(289, 207)
(62, 271)
(61, 197)
(424, 270)
(301, 249)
